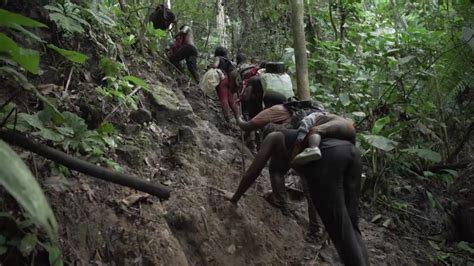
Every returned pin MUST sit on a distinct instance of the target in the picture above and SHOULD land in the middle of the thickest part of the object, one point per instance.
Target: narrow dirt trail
(189, 148)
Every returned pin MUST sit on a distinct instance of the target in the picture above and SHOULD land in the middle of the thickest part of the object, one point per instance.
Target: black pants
(189, 53)
(334, 185)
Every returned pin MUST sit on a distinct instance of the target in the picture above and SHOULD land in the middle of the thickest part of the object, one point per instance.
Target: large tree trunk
(299, 44)
(220, 21)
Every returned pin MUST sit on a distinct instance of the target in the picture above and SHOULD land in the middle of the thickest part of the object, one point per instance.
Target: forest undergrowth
(91, 79)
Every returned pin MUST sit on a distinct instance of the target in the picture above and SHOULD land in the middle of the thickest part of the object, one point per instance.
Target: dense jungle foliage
(402, 70)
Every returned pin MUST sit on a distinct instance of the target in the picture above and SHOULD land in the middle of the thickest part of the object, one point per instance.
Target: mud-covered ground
(190, 149)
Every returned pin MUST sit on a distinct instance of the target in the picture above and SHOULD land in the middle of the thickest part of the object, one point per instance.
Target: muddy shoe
(306, 156)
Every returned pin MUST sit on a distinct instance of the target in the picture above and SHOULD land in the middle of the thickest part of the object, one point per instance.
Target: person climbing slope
(334, 184)
(226, 96)
(162, 18)
(183, 48)
(273, 148)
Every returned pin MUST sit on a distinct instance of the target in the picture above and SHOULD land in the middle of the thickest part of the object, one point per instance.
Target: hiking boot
(309, 154)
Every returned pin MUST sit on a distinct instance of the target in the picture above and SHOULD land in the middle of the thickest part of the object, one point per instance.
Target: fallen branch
(15, 138)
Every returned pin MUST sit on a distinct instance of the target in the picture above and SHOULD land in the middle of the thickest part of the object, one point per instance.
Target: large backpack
(225, 64)
(300, 109)
(277, 83)
(244, 73)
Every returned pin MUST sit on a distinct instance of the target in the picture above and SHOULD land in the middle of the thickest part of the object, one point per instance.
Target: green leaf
(466, 247)
(344, 98)
(70, 55)
(27, 58)
(380, 124)
(32, 120)
(3, 250)
(65, 131)
(106, 128)
(451, 172)
(425, 154)
(8, 45)
(380, 142)
(75, 122)
(110, 67)
(50, 134)
(18, 180)
(9, 19)
(431, 199)
(28, 33)
(66, 23)
(428, 174)
(137, 81)
(53, 8)
(21, 79)
(54, 255)
(405, 59)
(27, 244)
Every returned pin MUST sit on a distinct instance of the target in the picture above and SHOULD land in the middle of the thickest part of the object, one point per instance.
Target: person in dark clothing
(224, 92)
(183, 48)
(240, 59)
(334, 185)
(162, 18)
(251, 103)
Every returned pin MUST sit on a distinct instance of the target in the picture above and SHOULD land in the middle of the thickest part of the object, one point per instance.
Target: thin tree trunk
(299, 44)
(343, 15)
(220, 22)
(122, 5)
(332, 21)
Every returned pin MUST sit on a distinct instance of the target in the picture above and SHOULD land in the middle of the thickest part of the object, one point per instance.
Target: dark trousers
(189, 53)
(334, 185)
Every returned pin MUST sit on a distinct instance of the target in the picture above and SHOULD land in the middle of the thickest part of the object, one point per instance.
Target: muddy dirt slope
(187, 147)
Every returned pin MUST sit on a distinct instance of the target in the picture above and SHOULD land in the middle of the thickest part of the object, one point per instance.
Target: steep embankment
(186, 147)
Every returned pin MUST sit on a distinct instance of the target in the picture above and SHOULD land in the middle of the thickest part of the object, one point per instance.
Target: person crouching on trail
(226, 96)
(319, 125)
(183, 48)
